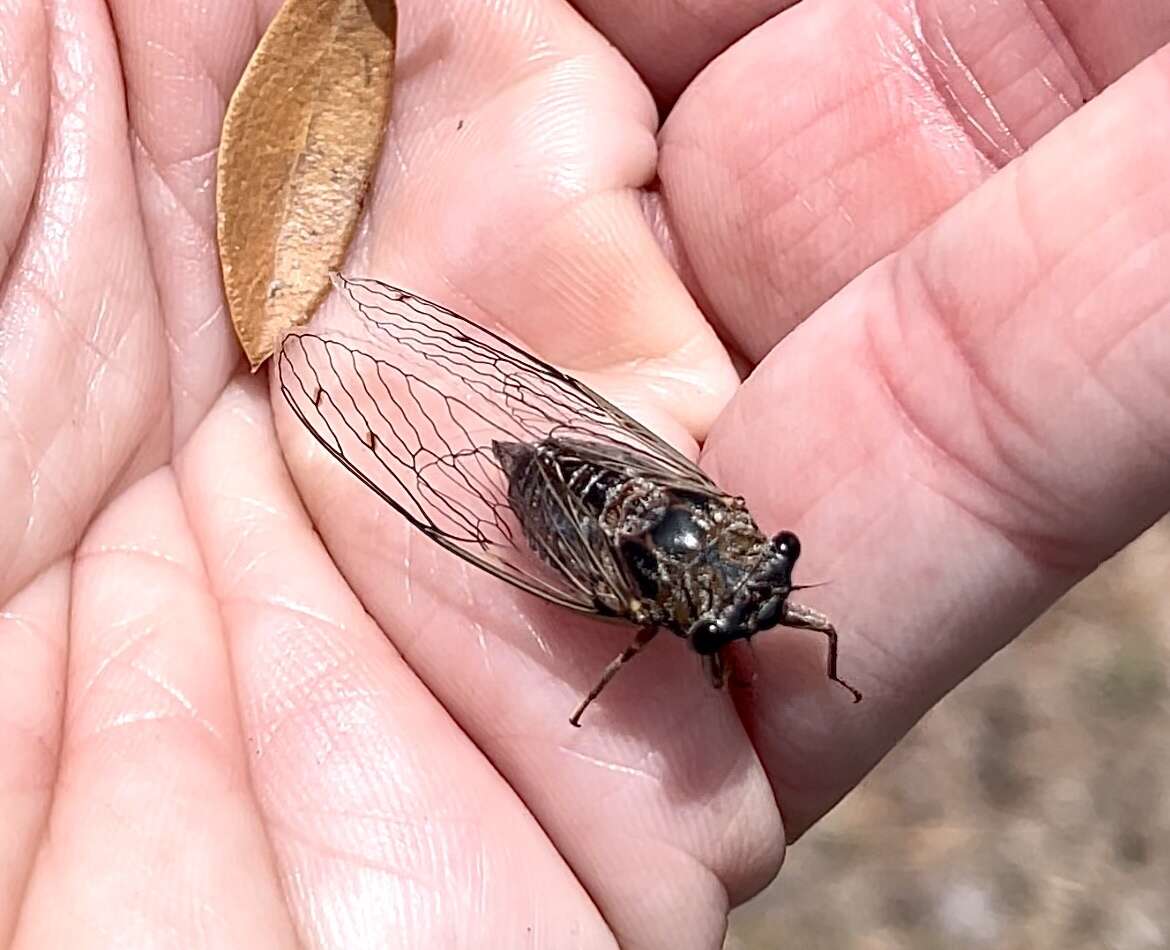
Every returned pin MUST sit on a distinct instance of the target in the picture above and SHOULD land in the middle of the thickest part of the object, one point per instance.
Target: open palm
(209, 737)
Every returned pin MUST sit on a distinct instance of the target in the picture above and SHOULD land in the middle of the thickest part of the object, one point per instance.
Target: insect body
(528, 474)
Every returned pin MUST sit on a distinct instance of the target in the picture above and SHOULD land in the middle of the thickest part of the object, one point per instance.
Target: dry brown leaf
(300, 139)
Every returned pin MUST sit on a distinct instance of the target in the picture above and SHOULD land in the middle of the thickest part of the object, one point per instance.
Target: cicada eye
(706, 637)
(787, 545)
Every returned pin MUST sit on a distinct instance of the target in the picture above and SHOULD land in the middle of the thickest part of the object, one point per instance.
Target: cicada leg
(737, 661)
(645, 635)
(716, 669)
(805, 618)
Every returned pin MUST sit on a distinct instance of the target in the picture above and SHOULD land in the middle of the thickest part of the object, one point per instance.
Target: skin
(957, 399)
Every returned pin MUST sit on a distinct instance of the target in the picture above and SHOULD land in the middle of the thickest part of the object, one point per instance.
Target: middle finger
(831, 135)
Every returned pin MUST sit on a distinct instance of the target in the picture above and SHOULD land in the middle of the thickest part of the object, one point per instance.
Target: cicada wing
(411, 403)
(388, 429)
(544, 400)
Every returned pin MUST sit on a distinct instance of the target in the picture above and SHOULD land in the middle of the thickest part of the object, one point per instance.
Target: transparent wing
(411, 403)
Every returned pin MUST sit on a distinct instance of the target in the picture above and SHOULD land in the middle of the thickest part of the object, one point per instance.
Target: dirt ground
(1030, 809)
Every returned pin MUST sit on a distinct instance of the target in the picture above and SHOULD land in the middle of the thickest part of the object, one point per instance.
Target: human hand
(207, 738)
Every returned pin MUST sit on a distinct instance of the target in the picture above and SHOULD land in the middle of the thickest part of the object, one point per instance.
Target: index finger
(965, 431)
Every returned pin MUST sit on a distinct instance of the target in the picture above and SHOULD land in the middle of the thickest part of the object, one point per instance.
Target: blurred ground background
(1030, 809)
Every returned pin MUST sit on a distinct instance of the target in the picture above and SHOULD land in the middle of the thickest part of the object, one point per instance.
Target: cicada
(527, 473)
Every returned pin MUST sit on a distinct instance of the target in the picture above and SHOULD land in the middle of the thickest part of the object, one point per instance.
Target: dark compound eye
(787, 544)
(706, 637)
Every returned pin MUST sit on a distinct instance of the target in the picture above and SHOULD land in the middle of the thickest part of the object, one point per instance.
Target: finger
(668, 43)
(831, 135)
(512, 180)
(181, 62)
(965, 431)
(153, 828)
(81, 360)
(33, 631)
(388, 826)
(24, 70)
(1110, 39)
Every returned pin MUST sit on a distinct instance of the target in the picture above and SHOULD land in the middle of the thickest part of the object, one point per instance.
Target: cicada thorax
(690, 555)
(648, 551)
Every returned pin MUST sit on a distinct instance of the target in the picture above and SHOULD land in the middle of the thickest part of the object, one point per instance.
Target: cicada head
(758, 604)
